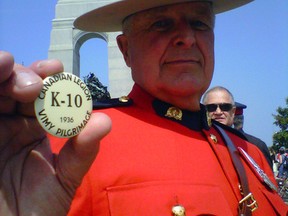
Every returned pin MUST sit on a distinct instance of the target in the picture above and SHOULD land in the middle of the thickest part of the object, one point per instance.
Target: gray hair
(217, 88)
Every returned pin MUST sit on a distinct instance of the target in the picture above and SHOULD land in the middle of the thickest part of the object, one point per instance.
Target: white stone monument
(66, 40)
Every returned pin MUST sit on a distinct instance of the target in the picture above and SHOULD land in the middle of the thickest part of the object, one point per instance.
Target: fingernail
(26, 79)
(44, 63)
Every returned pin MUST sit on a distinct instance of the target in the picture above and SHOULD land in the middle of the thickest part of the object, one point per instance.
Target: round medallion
(64, 105)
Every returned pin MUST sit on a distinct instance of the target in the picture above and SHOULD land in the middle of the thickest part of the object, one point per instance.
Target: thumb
(79, 152)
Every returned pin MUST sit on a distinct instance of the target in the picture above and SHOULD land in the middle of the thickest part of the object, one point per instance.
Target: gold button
(124, 99)
(213, 138)
(178, 210)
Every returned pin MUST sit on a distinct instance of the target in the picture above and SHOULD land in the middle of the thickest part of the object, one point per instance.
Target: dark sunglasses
(225, 107)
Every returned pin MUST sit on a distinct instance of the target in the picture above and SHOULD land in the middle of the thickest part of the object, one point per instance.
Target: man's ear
(123, 46)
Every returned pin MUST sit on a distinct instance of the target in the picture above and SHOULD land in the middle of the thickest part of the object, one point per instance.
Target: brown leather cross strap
(248, 203)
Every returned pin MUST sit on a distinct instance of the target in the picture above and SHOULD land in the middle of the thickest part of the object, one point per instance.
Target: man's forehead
(219, 95)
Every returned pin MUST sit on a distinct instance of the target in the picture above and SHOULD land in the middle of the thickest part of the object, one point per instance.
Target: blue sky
(251, 48)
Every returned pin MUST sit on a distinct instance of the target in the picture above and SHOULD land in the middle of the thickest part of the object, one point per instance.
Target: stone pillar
(66, 41)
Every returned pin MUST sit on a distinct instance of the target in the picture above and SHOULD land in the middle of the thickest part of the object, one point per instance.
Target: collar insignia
(174, 112)
(194, 120)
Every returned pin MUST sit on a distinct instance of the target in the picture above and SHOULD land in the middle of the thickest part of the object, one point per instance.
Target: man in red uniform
(147, 164)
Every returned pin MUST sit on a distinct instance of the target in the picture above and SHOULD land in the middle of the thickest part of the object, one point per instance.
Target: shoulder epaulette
(230, 129)
(123, 101)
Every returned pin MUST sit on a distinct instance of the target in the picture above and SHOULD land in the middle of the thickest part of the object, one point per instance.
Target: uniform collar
(193, 120)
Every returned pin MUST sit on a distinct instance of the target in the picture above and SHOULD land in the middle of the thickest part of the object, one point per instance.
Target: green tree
(280, 138)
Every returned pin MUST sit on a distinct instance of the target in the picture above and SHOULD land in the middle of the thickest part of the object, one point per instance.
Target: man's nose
(185, 35)
(218, 110)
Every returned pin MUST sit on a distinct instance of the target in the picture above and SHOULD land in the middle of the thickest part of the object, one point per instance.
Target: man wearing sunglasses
(220, 105)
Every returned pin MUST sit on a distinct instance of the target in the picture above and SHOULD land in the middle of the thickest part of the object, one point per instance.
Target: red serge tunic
(149, 163)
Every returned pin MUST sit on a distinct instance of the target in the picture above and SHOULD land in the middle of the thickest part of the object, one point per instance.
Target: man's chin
(222, 121)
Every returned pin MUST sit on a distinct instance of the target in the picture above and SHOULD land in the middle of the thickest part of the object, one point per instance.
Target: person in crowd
(281, 158)
(143, 165)
(273, 159)
(238, 125)
(238, 120)
(221, 107)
